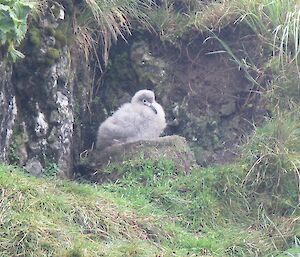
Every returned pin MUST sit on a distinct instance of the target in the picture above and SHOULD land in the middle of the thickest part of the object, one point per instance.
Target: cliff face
(53, 100)
(40, 135)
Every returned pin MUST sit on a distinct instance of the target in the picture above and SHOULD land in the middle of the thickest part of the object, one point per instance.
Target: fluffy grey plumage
(141, 119)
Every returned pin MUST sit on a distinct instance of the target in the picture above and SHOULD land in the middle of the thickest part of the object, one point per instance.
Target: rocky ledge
(105, 164)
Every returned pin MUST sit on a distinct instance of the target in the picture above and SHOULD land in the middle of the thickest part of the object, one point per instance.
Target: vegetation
(153, 210)
(105, 21)
(274, 154)
(13, 25)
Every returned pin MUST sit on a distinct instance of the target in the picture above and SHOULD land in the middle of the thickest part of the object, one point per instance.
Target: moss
(12, 153)
(60, 37)
(49, 31)
(76, 252)
(53, 53)
(35, 37)
(62, 34)
(48, 62)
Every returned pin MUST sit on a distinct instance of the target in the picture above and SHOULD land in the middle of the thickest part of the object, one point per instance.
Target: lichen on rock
(8, 109)
(44, 93)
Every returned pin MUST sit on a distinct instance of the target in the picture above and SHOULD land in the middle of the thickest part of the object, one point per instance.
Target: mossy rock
(61, 37)
(53, 53)
(171, 149)
(35, 37)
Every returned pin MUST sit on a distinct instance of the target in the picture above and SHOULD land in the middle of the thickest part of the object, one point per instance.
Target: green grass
(276, 22)
(273, 155)
(212, 203)
(60, 218)
(150, 211)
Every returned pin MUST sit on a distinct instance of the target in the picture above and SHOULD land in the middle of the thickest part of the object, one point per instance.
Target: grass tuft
(105, 21)
(273, 153)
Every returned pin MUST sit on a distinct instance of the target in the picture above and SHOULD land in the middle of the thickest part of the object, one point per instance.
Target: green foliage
(12, 153)
(273, 154)
(168, 22)
(75, 252)
(147, 171)
(13, 24)
(58, 218)
(53, 53)
(40, 219)
(294, 251)
(277, 22)
(35, 37)
(284, 91)
(154, 209)
(213, 202)
(51, 169)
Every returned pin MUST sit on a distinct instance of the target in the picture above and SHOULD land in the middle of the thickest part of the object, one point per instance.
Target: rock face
(44, 83)
(173, 148)
(49, 88)
(8, 109)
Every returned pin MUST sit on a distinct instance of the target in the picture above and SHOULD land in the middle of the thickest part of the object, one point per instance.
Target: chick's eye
(144, 101)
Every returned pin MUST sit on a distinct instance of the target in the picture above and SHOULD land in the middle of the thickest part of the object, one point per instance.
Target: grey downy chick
(141, 119)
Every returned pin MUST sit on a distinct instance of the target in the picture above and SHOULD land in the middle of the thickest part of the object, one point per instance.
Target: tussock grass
(274, 153)
(103, 22)
(154, 209)
(276, 22)
(283, 92)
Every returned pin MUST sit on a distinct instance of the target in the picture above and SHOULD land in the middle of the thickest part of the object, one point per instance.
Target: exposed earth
(204, 93)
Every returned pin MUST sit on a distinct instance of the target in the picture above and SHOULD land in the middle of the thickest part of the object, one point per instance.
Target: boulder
(102, 164)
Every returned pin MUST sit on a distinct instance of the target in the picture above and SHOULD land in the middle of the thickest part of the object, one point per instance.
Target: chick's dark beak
(153, 108)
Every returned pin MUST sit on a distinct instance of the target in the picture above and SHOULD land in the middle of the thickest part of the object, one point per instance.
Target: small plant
(51, 169)
(12, 154)
(141, 170)
(294, 251)
(13, 25)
